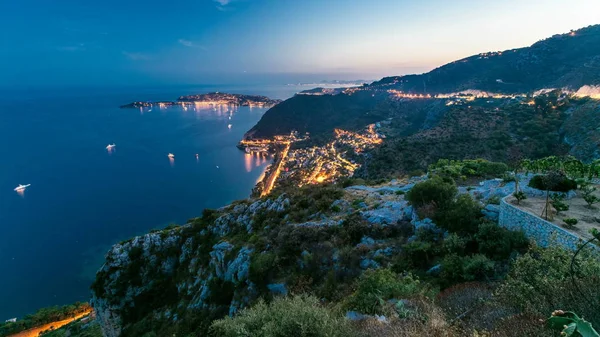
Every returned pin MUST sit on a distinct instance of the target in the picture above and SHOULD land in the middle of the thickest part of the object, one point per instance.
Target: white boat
(170, 155)
(21, 187)
(110, 146)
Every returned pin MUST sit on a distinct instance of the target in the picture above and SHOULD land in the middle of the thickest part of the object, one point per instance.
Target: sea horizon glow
(69, 42)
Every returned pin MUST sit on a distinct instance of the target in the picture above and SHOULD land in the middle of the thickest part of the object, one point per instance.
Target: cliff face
(203, 265)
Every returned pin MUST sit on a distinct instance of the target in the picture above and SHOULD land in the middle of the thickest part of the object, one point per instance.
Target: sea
(83, 198)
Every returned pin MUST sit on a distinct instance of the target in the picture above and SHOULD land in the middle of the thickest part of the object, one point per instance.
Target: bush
(493, 200)
(543, 281)
(563, 184)
(436, 191)
(455, 244)
(416, 254)
(461, 216)
(295, 316)
(520, 196)
(375, 287)
(570, 223)
(498, 243)
(558, 202)
(261, 266)
(456, 269)
(468, 168)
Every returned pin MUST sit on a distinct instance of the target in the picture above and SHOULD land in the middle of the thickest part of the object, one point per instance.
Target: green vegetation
(520, 196)
(588, 195)
(504, 132)
(479, 168)
(558, 202)
(44, 316)
(301, 316)
(560, 184)
(571, 325)
(543, 280)
(568, 166)
(570, 223)
(376, 287)
(435, 191)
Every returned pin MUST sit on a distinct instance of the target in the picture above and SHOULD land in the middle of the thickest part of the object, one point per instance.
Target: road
(270, 182)
(35, 332)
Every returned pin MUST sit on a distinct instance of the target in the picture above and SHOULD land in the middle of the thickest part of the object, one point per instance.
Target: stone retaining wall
(535, 228)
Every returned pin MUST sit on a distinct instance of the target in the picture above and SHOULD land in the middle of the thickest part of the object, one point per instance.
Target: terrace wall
(535, 228)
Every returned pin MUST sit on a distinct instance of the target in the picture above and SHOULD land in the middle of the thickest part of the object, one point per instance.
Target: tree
(520, 196)
(462, 216)
(558, 203)
(551, 180)
(436, 190)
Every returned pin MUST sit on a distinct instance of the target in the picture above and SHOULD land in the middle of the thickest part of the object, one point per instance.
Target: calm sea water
(83, 199)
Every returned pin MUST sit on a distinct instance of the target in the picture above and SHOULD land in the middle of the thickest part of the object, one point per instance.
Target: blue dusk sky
(129, 42)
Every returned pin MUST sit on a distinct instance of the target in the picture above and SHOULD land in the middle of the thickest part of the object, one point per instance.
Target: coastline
(35, 332)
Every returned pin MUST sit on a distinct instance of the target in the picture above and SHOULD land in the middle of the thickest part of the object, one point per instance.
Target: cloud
(222, 5)
(78, 47)
(136, 56)
(185, 42)
(190, 44)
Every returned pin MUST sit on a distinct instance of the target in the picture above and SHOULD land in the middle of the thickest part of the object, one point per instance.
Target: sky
(130, 42)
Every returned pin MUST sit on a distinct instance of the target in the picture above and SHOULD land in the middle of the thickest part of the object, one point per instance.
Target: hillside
(360, 250)
(568, 61)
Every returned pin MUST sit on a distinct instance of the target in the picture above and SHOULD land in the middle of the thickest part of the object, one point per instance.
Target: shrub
(558, 202)
(468, 168)
(356, 227)
(261, 266)
(435, 190)
(494, 200)
(457, 268)
(591, 200)
(376, 286)
(570, 223)
(461, 216)
(520, 196)
(498, 243)
(416, 254)
(561, 184)
(477, 267)
(543, 281)
(588, 195)
(295, 316)
(455, 243)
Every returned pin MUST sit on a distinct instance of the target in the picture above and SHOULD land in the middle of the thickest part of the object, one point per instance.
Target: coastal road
(35, 332)
(273, 177)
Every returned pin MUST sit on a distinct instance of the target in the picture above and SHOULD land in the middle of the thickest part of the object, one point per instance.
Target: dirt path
(36, 331)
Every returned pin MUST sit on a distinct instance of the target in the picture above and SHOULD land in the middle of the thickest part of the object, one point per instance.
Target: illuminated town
(210, 99)
(311, 165)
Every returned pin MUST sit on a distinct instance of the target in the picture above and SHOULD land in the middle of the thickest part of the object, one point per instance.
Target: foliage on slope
(507, 133)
